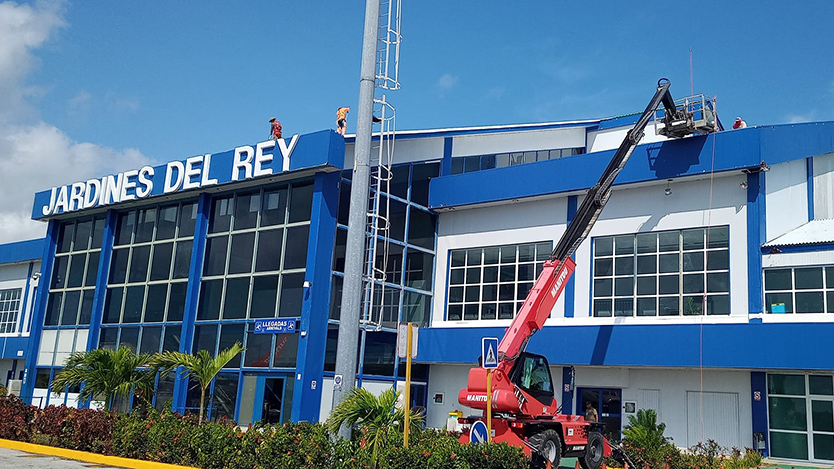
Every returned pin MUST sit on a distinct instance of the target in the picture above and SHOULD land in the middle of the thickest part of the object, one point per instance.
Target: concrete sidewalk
(21, 460)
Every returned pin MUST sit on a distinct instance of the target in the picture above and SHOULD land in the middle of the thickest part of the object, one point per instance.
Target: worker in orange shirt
(341, 119)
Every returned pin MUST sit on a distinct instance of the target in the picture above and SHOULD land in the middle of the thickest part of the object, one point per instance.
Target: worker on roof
(341, 119)
(275, 129)
(739, 123)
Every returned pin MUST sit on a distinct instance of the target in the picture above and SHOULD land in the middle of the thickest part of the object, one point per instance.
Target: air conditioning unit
(14, 386)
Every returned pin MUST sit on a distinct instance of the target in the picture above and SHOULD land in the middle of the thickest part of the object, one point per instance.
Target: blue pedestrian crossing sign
(478, 433)
(489, 352)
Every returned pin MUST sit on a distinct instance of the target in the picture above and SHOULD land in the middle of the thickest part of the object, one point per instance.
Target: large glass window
(403, 259)
(254, 267)
(150, 264)
(148, 278)
(801, 416)
(75, 268)
(402, 266)
(667, 273)
(493, 282)
(9, 310)
(71, 285)
(468, 164)
(799, 290)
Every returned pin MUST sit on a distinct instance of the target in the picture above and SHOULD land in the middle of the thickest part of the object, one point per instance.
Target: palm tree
(202, 367)
(108, 374)
(373, 415)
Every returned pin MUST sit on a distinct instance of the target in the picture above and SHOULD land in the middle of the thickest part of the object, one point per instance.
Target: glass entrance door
(273, 402)
(266, 397)
(608, 404)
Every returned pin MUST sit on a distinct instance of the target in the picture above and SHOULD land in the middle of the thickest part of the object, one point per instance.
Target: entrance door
(271, 401)
(608, 403)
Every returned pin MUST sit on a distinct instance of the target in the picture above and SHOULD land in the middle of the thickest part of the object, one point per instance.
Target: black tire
(594, 450)
(549, 448)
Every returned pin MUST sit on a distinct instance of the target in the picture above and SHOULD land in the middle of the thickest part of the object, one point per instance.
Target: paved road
(19, 460)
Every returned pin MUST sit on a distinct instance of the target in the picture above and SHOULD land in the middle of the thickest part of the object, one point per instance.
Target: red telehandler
(525, 410)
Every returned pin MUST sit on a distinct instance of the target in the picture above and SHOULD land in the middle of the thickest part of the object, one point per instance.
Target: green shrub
(174, 439)
(162, 437)
(430, 449)
(644, 443)
(292, 445)
(4, 391)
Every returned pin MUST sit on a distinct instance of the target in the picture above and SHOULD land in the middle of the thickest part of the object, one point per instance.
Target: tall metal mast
(380, 47)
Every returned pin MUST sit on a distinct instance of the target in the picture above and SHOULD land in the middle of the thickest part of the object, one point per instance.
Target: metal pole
(409, 337)
(489, 403)
(355, 246)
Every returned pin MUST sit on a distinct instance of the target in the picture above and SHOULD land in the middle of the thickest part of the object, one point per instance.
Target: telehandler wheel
(594, 450)
(549, 445)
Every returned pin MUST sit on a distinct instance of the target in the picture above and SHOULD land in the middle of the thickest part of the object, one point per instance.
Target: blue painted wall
(22, 251)
(316, 306)
(317, 150)
(756, 236)
(47, 254)
(734, 150)
(745, 345)
(758, 388)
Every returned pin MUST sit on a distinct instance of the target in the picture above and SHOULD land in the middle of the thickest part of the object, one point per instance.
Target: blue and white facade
(20, 272)
(705, 291)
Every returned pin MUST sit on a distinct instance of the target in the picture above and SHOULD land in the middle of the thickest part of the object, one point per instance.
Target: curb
(87, 457)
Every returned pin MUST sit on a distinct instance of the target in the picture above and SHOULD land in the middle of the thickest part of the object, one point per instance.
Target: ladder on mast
(378, 229)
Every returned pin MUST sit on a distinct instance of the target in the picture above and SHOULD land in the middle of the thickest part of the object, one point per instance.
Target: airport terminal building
(705, 291)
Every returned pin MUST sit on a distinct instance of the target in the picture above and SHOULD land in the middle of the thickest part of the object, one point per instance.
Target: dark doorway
(273, 400)
(608, 403)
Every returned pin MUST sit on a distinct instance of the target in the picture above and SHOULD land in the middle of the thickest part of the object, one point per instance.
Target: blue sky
(157, 81)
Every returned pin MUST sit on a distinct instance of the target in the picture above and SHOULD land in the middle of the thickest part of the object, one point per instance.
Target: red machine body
(525, 410)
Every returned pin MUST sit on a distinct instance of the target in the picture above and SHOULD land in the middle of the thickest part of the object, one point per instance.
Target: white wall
(786, 201)
(644, 208)
(514, 223)
(648, 387)
(449, 380)
(375, 387)
(611, 138)
(824, 186)
(670, 393)
(528, 140)
(405, 150)
(674, 386)
(14, 276)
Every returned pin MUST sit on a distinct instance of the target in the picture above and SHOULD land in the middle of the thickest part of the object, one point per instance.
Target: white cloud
(496, 92)
(797, 118)
(22, 29)
(34, 155)
(121, 103)
(447, 81)
(79, 105)
(37, 157)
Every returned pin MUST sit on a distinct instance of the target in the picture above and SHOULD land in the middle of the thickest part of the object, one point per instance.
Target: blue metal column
(758, 400)
(38, 311)
(570, 288)
(809, 168)
(192, 294)
(756, 227)
(101, 278)
(316, 307)
(446, 163)
(567, 391)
